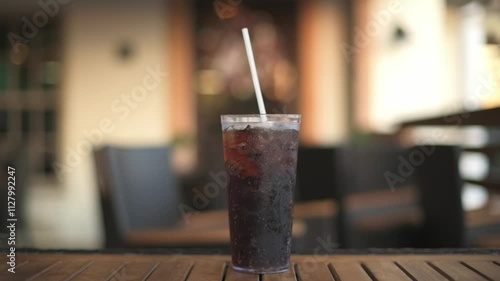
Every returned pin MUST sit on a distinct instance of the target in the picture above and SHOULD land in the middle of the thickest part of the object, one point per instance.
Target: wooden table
(215, 227)
(342, 267)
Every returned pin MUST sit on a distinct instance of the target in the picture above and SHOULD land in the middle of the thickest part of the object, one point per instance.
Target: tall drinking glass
(260, 155)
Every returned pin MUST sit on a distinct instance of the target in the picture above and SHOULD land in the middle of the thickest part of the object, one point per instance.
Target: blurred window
(29, 86)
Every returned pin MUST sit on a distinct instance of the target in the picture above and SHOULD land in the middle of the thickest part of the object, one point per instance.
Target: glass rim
(257, 118)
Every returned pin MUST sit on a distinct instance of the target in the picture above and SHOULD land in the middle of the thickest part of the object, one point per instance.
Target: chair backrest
(368, 168)
(138, 188)
(414, 193)
(366, 196)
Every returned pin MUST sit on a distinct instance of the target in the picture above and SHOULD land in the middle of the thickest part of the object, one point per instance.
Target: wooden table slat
(349, 271)
(486, 268)
(3, 266)
(27, 271)
(64, 270)
(312, 270)
(98, 271)
(46, 269)
(420, 270)
(134, 271)
(386, 270)
(232, 275)
(207, 270)
(175, 270)
(456, 271)
(19, 262)
(285, 276)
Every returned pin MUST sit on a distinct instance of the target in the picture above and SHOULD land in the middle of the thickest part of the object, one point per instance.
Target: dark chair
(395, 197)
(483, 225)
(440, 186)
(138, 189)
(371, 215)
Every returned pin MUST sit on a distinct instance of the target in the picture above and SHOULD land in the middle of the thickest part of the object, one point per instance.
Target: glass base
(261, 271)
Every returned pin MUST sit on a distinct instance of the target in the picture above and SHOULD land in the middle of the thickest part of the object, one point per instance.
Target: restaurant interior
(110, 115)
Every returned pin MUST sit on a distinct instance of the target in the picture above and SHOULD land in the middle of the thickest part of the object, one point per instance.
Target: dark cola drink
(261, 160)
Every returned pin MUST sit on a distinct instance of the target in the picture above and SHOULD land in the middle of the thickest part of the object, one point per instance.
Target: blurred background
(77, 76)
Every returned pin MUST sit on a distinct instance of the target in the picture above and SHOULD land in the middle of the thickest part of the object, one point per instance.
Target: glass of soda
(260, 157)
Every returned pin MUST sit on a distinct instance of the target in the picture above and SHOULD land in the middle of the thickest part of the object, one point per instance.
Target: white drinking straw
(253, 70)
